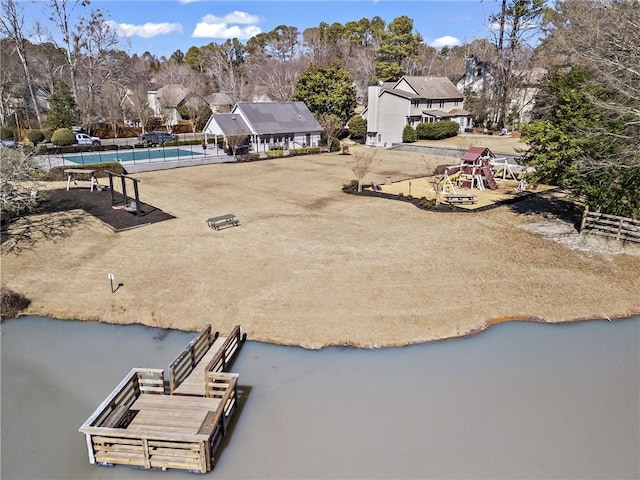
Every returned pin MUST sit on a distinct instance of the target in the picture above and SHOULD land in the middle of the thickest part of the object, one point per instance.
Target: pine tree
(63, 111)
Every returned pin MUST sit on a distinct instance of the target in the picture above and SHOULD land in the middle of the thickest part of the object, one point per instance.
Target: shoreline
(311, 266)
(471, 333)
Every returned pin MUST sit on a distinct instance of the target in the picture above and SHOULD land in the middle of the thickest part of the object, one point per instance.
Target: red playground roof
(474, 153)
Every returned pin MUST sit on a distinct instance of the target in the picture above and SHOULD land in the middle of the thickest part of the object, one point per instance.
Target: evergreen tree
(63, 111)
(327, 90)
(571, 145)
(397, 44)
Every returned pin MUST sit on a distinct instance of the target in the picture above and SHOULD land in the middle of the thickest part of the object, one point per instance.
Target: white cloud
(446, 41)
(148, 30)
(212, 26)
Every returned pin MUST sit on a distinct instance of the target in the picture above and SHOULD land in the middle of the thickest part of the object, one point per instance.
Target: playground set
(474, 171)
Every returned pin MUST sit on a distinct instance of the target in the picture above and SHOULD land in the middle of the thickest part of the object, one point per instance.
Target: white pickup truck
(84, 139)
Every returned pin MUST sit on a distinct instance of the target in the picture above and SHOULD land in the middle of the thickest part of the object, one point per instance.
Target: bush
(409, 134)
(437, 130)
(101, 169)
(335, 145)
(6, 133)
(358, 129)
(35, 136)
(11, 303)
(47, 132)
(63, 137)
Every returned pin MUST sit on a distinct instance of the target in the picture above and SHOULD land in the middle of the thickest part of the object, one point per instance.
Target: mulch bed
(99, 204)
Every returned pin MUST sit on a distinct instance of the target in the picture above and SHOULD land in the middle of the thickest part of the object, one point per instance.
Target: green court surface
(138, 155)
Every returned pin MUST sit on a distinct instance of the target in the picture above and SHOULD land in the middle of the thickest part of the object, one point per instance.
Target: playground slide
(488, 175)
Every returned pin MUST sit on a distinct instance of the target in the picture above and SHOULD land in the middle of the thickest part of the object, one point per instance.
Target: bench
(459, 198)
(221, 220)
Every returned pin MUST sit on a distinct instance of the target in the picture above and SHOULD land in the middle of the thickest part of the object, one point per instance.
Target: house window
(441, 103)
(429, 103)
(415, 103)
(456, 103)
(379, 137)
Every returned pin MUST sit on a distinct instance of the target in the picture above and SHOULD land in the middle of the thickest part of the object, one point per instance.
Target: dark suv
(157, 138)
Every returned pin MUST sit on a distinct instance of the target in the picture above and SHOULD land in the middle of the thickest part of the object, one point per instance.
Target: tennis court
(136, 155)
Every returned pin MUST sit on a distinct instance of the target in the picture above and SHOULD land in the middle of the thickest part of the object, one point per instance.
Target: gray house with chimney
(410, 101)
(267, 126)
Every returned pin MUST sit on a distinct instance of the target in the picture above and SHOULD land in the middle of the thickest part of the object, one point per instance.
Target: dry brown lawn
(310, 265)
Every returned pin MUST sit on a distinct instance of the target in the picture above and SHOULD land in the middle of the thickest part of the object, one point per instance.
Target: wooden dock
(152, 423)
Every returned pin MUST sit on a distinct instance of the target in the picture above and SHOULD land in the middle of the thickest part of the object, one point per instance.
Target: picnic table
(460, 198)
(228, 219)
(74, 173)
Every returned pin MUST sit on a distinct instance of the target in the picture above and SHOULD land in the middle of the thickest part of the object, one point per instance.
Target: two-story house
(410, 101)
(479, 80)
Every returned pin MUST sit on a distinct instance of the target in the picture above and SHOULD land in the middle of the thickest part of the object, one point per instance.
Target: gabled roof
(278, 117)
(474, 153)
(436, 88)
(231, 125)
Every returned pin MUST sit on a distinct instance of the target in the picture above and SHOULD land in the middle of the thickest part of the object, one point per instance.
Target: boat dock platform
(178, 422)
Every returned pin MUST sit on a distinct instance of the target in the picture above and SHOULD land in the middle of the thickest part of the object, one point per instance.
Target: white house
(268, 125)
(410, 101)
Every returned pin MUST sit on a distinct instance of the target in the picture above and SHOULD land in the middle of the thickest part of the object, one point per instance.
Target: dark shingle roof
(279, 117)
(231, 124)
(436, 88)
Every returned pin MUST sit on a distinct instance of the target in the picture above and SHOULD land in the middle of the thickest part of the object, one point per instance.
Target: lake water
(520, 400)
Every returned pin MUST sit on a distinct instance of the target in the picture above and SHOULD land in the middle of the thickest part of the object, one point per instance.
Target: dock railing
(223, 358)
(186, 360)
(613, 226)
(113, 411)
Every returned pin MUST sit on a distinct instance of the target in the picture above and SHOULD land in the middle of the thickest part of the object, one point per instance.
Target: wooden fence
(620, 228)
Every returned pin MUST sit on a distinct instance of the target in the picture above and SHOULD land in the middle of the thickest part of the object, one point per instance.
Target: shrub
(11, 303)
(47, 132)
(35, 136)
(437, 130)
(335, 145)
(358, 129)
(6, 133)
(409, 134)
(63, 137)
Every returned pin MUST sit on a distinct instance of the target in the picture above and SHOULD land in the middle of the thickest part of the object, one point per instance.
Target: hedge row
(437, 130)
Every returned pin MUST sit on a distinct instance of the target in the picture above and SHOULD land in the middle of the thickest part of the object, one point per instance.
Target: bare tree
(19, 182)
(519, 21)
(138, 106)
(360, 164)
(332, 125)
(169, 98)
(234, 142)
(277, 79)
(98, 63)
(12, 23)
(225, 64)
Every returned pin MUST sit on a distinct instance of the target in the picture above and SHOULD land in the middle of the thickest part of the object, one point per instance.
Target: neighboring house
(479, 80)
(410, 101)
(219, 102)
(165, 101)
(267, 126)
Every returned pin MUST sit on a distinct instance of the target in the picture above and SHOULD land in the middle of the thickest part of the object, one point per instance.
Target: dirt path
(312, 266)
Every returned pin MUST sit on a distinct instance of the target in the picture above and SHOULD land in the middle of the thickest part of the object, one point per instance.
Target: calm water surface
(518, 401)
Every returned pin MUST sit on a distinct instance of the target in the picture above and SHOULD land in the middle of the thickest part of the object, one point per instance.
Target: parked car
(84, 139)
(157, 138)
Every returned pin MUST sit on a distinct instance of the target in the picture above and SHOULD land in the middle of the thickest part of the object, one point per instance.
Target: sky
(162, 27)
